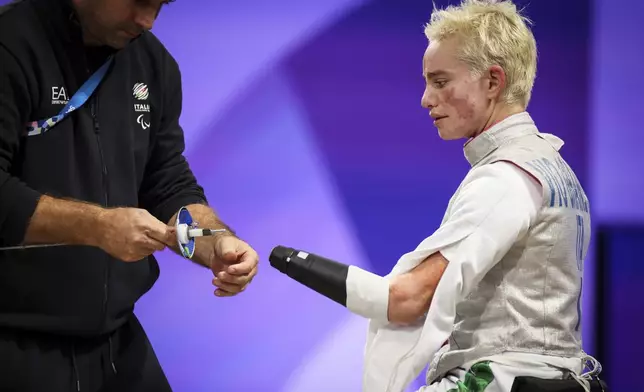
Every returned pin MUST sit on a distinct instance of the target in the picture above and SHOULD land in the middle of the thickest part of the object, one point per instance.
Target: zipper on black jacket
(97, 132)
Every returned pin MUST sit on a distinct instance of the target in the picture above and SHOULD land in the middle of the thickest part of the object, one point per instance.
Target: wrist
(97, 225)
(206, 254)
(224, 234)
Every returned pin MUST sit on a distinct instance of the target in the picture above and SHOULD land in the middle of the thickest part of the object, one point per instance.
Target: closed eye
(439, 83)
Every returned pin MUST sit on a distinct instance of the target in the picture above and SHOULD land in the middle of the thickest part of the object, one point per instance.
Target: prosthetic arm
(360, 291)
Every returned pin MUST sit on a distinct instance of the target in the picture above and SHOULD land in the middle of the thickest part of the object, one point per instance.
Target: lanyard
(78, 100)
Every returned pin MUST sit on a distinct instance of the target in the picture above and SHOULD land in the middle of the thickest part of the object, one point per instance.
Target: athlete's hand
(130, 234)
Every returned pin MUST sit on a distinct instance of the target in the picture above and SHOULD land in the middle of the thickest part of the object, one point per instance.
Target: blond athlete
(516, 232)
(494, 293)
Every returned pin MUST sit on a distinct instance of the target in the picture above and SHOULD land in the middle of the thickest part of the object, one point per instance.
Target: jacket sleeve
(17, 201)
(169, 183)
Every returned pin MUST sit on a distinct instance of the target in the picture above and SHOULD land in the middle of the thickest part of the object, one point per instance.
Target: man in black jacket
(91, 156)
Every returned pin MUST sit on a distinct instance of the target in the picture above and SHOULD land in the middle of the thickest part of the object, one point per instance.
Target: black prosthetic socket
(325, 276)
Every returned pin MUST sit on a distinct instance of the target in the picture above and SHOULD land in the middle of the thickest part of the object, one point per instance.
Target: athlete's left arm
(500, 202)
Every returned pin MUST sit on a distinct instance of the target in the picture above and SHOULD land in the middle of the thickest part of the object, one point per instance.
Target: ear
(496, 82)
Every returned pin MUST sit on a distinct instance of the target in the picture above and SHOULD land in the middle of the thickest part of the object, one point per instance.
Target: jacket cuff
(167, 210)
(18, 205)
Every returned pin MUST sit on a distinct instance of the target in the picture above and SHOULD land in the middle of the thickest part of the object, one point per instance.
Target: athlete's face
(460, 102)
(116, 22)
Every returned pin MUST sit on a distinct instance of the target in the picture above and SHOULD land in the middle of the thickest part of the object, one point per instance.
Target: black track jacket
(124, 148)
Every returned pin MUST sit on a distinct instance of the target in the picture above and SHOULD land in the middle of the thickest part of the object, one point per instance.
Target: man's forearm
(207, 218)
(63, 221)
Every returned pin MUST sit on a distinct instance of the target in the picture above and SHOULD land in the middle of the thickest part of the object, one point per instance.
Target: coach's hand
(130, 234)
(234, 264)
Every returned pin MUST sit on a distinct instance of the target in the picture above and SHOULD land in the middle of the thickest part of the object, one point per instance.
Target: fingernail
(233, 270)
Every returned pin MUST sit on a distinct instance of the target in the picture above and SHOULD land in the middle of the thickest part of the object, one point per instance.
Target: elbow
(407, 303)
(410, 294)
(17, 208)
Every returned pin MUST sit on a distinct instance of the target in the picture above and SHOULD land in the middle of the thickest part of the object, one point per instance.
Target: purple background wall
(303, 123)
(617, 184)
(616, 116)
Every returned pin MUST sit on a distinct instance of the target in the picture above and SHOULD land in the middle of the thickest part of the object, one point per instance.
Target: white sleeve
(499, 202)
(495, 207)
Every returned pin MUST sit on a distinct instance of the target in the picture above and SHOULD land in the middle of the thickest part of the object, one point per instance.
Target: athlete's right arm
(28, 216)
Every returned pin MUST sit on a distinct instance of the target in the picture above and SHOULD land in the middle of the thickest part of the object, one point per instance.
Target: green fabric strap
(476, 379)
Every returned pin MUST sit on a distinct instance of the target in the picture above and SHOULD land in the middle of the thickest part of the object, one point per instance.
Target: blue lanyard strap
(78, 100)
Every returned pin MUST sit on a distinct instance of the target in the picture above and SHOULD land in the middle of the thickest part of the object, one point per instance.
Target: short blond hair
(491, 33)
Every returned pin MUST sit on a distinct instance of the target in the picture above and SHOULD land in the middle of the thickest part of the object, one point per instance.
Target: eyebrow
(430, 75)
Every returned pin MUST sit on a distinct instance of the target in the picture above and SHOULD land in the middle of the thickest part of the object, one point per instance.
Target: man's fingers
(236, 279)
(231, 279)
(162, 233)
(170, 236)
(233, 284)
(146, 246)
(223, 293)
(246, 264)
(155, 245)
(228, 287)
